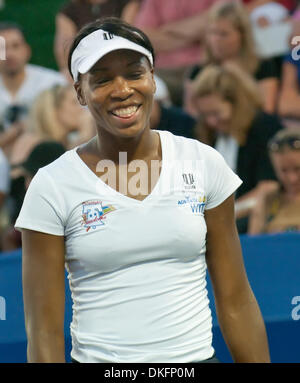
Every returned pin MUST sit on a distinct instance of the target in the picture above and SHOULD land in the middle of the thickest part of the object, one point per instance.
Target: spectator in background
(131, 11)
(229, 39)
(175, 28)
(278, 209)
(289, 100)
(76, 13)
(20, 83)
(232, 121)
(55, 115)
(42, 154)
(266, 12)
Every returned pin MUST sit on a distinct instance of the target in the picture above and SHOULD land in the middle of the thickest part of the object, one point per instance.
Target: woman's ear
(153, 81)
(79, 92)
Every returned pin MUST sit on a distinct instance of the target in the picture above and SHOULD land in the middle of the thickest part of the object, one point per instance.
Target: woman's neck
(143, 146)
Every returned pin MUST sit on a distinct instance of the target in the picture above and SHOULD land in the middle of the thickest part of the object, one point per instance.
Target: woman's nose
(121, 88)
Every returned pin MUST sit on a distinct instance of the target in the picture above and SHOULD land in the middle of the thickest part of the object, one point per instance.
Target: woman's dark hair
(115, 26)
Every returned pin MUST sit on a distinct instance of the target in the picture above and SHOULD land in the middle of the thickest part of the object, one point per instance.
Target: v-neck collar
(113, 191)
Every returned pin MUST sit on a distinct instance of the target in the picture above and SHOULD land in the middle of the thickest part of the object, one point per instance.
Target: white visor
(98, 44)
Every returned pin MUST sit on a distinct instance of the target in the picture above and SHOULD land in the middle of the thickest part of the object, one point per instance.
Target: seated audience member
(20, 82)
(76, 13)
(289, 99)
(231, 120)
(229, 39)
(175, 28)
(278, 209)
(266, 12)
(131, 10)
(4, 178)
(55, 115)
(42, 154)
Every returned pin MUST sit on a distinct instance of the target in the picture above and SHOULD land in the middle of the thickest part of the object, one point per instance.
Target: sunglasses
(277, 144)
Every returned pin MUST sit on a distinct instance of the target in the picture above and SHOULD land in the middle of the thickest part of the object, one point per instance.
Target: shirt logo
(197, 204)
(94, 213)
(189, 181)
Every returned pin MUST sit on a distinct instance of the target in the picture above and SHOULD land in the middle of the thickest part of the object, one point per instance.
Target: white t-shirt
(37, 80)
(4, 173)
(136, 268)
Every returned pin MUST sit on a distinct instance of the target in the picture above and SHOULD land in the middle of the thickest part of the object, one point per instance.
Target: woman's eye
(135, 75)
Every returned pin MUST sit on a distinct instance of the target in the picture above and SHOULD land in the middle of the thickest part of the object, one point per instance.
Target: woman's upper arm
(224, 256)
(43, 258)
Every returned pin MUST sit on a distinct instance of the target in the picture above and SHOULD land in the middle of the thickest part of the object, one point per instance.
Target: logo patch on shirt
(94, 213)
(197, 204)
(188, 181)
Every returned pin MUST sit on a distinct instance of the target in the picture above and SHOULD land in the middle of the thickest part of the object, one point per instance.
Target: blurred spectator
(231, 120)
(131, 10)
(267, 12)
(175, 28)
(20, 82)
(55, 115)
(289, 100)
(41, 155)
(76, 13)
(4, 178)
(278, 209)
(172, 118)
(229, 39)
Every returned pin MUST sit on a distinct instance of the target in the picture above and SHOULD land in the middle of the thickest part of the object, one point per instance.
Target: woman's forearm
(244, 331)
(45, 347)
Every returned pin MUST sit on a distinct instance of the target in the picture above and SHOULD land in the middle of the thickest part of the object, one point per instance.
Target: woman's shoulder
(189, 148)
(62, 168)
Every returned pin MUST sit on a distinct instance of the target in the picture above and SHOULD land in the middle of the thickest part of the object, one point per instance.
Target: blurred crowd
(227, 74)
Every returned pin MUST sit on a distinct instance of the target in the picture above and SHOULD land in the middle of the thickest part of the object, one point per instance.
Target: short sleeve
(221, 181)
(42, 208)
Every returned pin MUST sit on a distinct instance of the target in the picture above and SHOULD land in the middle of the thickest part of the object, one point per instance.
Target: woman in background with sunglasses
(278, 210)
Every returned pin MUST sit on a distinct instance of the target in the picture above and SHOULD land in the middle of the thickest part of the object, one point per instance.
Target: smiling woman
(136, 261)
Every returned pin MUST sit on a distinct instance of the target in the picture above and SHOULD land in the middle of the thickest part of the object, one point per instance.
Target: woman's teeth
(125, 112)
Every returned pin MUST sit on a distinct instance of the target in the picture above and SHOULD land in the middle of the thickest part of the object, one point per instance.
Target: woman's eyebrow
(135, 62)
(95, 70)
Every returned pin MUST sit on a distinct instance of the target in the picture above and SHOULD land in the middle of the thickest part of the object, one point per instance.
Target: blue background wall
(273, 267)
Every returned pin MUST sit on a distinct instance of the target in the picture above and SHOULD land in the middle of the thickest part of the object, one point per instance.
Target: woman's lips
(127, 114)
